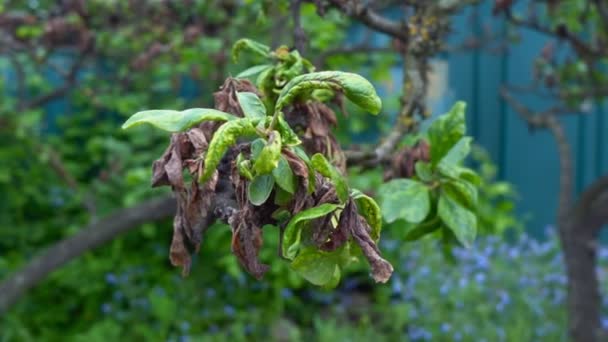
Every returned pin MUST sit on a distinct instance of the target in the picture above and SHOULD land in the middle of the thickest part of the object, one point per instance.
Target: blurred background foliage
(64, 162)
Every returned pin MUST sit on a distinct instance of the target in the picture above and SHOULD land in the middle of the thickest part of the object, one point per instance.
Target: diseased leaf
(247, 241)
(457, 218)
(316, 266)
(355, 87)
(176, 121)
(324, 167)
(381, 269)
(404, 199)
(259, 189)
(369, 209)
(251, 104)
(283, 175)
(223, 138)
(249, 45)
(244, 167)
(290, 138)
(270, 155)
(292, 233)
(254, 70)
(445, 132)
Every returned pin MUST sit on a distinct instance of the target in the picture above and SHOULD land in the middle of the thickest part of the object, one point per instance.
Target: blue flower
(229, 310)
(605, 323)
(480, 278)
(445, 327)
(184, 325)
(111, 279)
(286, 293)
(106, 308)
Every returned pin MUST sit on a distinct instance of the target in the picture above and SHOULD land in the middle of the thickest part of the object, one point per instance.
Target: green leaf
(316, 266)
(223, 138)
(457, 153)
(249, 45)
(369, 209)
(457, 218)
(356, 88)
(324, 167)
(176, 121)
(445, 132)
(469, 175)
(416, 231)
(281, 197)
(404, 199)
(465, 192)
(423, 171)
(270, 155)
(293, 231)
(259, 189)
(311, 171)
(256, 147)
(254, 70)
(290, 138)
(251, 104)
(284, 177)
(244, 167)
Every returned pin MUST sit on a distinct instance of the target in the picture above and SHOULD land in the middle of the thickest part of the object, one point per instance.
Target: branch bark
(579, 226)
(88, 238)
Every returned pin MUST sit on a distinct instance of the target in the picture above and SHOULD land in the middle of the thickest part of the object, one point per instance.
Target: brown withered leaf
(340, 235)
(315, 119)
(178, 252)
(226, 100)
(247, 241)
(381, 269)
(403, 164)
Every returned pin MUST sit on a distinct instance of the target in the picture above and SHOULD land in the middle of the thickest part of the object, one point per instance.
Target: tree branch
(299, 36)
(86, 239)
(369, 17)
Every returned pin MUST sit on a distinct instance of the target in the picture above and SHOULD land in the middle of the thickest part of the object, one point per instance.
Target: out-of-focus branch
(561, 32)
(299, 36)
(548, 120)
(88, 238)
(362, 12)
(68, 83)
(414, 91)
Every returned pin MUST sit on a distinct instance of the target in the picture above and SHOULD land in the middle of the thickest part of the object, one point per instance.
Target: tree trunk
(584, 300)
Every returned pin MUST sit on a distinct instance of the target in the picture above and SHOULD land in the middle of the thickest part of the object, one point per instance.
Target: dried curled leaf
(247, 241)
(381, 269)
